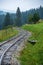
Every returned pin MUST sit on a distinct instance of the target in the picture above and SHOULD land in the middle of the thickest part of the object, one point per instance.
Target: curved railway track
(9, 46)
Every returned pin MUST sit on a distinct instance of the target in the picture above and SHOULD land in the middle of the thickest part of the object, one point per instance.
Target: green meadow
(33, 54)
(8, 33)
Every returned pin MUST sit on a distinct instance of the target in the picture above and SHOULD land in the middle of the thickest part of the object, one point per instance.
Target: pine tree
(18, 18)
(36, 17)
(7, 21)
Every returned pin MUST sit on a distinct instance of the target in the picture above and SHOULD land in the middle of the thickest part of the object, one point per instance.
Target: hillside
(33, 54)
(24, 15)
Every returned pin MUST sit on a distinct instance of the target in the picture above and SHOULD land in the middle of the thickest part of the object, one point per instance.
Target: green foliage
(36, 17)
(33, 18)
(18, 17)
(30, 18)
(33, 55)
(7, 21)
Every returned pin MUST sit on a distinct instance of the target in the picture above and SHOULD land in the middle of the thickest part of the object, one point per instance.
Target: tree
(36, 17)
(18, 18)
(7, 20)
(7, 23)
(33, 18)
(30, 18)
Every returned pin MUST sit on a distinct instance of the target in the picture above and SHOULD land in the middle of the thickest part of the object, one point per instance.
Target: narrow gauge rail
(8, 56)
(6, 46)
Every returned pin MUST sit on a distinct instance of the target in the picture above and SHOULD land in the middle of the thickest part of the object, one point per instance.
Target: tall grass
(6, 34)
(33, 55)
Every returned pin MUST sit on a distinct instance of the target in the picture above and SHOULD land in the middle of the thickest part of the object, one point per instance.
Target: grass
(6, 34)
(33, 55)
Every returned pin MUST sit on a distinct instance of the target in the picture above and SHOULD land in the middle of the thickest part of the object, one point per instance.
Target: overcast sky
(11, 5)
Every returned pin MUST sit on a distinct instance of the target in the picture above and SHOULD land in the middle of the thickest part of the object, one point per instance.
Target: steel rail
(16, 40)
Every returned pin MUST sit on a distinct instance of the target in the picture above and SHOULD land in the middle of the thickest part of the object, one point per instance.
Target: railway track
(7, 48)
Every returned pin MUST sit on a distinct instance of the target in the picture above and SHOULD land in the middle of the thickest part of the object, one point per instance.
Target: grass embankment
(6, 34)
(33, 54)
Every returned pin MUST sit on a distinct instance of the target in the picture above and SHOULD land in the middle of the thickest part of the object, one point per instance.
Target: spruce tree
(7, 20)
(18, 18)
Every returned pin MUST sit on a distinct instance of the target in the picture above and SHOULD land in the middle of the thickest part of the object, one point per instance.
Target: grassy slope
(33, 55)
(10, 33)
